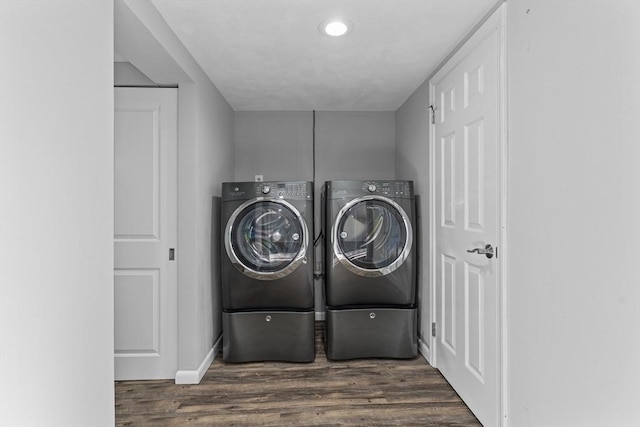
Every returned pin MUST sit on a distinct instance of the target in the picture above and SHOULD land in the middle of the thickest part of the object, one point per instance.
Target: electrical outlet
(259, 178)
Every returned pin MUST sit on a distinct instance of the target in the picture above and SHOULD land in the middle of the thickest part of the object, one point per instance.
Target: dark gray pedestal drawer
(268, 335)
(371, 332)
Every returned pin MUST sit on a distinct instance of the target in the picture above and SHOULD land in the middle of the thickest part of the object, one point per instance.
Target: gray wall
(126, 74)
(349, 145)
(277, 145)
(412, 162)
(213, 164)
(354, 145)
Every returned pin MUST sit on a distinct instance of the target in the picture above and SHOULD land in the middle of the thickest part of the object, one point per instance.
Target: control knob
(266, 189)
(372, 188)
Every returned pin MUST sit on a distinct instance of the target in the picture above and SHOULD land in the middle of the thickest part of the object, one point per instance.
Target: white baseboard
(320, 315)
(194, 377)
(424, 350)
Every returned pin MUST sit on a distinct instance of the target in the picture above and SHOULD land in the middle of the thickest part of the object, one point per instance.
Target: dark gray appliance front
(370, 269)
(267, 272)
(266, 257)
(370, 243)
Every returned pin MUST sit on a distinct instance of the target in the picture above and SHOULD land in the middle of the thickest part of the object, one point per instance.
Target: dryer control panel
(387, 188)
(284, 190)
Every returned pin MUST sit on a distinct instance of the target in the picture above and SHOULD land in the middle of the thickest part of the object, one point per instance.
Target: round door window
(373, 235)
(266, 237)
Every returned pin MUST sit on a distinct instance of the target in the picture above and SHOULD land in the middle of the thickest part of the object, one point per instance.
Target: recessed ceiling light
(336, 27)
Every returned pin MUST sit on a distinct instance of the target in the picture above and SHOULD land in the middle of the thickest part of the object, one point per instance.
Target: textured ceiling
(269, 54)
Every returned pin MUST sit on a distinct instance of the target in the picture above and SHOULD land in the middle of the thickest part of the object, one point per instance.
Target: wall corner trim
(195, 376)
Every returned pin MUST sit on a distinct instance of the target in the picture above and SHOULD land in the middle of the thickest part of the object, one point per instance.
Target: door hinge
(172, 254)
(433, 114)
(433, 329)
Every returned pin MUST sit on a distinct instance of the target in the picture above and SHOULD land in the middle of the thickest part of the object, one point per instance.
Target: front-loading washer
(267, 271)
(370, 269)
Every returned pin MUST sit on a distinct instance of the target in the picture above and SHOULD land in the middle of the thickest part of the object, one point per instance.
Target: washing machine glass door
(266, 239)
(372, 236)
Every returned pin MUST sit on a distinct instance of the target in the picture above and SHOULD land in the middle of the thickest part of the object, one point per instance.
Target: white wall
(205, 160)
(412, 162)
(574, 213)
(56, 213)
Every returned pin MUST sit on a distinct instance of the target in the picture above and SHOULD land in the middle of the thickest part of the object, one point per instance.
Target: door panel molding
(137, 297)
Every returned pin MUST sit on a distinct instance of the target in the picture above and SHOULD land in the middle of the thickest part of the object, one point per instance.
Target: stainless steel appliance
(267, 271)
(370, 269)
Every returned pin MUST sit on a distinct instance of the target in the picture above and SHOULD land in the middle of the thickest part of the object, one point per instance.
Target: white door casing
(467, 137)
(145, 279)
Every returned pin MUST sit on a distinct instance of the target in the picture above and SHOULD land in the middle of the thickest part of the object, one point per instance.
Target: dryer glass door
(267, 239)
(372, 236)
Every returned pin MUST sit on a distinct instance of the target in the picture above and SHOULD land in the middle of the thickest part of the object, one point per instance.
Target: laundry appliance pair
(267, 272)
(370, 269)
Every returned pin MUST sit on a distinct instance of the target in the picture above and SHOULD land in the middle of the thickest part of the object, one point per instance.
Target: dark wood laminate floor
(369, 392)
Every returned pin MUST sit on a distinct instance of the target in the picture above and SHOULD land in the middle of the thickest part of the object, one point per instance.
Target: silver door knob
(487, 251)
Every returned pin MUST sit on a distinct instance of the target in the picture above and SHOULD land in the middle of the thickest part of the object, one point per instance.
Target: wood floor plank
(367, 392)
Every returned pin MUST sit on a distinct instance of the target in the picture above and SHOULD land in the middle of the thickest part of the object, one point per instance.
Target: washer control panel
(293, 190)
(284, 190)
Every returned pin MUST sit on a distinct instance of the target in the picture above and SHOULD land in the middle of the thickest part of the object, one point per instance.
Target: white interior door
(466, 94)
(145, 279)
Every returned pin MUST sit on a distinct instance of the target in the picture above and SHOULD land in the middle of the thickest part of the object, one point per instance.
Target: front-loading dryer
(370, 251)
(267, 271)
(370, 269)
